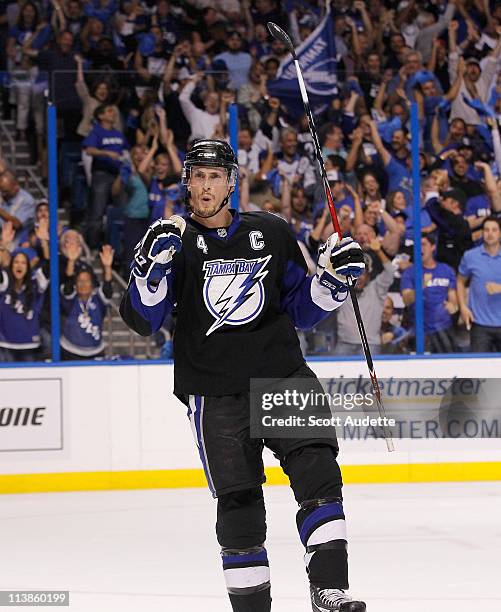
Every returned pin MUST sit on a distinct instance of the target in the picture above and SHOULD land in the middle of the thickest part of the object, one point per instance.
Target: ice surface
(413, 548)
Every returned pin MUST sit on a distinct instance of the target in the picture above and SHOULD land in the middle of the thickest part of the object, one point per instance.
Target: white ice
(413, 548)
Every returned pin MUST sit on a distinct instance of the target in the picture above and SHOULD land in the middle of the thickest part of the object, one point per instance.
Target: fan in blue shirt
(21, 300)
(84, 307)
(399, 176)
(106, 146)
(440, 298)
(481, 266)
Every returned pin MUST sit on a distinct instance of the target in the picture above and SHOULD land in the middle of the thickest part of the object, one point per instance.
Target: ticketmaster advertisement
(346, 408)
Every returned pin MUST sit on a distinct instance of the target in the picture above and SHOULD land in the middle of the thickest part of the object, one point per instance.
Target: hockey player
(238, 282)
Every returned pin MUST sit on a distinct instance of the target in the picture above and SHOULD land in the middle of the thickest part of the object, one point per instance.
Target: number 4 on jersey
(201, 244)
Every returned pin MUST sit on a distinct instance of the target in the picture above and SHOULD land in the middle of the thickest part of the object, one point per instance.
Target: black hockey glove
(153, 254)
(336, 261)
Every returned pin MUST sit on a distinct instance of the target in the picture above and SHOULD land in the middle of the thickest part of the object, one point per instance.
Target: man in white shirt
(203, 123)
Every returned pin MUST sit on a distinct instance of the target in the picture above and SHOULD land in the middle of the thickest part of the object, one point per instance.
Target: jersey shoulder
(262, 218)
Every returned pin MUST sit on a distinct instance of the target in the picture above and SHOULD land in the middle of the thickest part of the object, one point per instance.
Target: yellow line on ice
(188, 478)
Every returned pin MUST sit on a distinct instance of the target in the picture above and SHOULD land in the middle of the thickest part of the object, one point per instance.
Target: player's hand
(337, 261)
(153, 254)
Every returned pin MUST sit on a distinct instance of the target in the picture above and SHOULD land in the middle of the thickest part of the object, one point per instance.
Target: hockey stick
(279, 34)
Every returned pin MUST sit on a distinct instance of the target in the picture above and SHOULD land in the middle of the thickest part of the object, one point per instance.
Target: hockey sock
(322, 529)
(247, 576)
(254, 602)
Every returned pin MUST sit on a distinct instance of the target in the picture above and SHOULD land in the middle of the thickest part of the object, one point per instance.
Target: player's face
(208, 188)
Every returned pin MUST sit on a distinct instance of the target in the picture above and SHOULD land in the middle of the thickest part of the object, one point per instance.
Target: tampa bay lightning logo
(234, 290)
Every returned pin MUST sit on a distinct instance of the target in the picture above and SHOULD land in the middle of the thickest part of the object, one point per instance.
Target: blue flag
(317, 57)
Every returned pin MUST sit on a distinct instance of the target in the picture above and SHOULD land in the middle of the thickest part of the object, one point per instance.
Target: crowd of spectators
(135, 81)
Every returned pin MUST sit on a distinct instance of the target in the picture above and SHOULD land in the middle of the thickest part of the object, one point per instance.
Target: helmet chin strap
(221, 206)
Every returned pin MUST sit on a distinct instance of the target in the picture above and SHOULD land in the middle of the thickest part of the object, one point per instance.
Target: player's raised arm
(150, 295)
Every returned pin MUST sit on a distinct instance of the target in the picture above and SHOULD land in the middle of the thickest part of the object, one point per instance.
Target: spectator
(17, 206)
(84, 308)
(398, 174)
(130, 185)
(164, 181)
(481, 312)
(203, 123)
(99, 94)
(26, 92)
(58, 63)
(391, 334)
(150, 63)
(381, 222)
(292, 164)
(440, 299)
(74, 255)
(371, 294)
(237, 61)
(38, 237)
(250, 94)
(476, 80)
(332, 141)
(106, 146)
(454, 232)
(21, 299)
(74, 19)
(301, 218)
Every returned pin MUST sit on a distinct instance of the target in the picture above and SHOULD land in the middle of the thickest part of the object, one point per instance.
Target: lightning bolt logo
(242, 299)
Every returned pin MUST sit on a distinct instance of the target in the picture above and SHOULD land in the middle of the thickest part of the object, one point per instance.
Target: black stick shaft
(330, 201)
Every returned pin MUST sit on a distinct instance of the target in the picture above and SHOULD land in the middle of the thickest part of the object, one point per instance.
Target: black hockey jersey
(239, 292)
